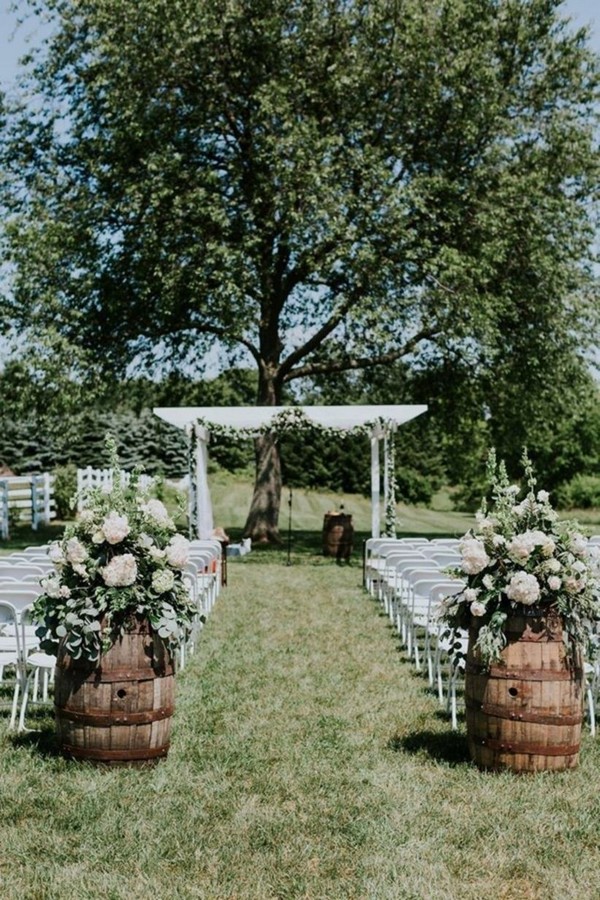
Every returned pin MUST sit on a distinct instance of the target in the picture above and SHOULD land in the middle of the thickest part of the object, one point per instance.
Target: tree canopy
(318, 186)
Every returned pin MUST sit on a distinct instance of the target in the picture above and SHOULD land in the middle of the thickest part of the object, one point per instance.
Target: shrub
(413, 486)
(581, 492)
(65, 487)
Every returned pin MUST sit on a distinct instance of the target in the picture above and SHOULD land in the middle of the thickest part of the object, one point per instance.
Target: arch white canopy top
(342, 417)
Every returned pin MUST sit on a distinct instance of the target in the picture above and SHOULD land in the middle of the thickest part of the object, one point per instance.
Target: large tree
(320, 186)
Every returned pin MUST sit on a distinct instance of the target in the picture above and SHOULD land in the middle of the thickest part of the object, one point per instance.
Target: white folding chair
(34, 663)
(388, 576)
(420, 586)
(10, 653)
(444, 588)
(406, 572)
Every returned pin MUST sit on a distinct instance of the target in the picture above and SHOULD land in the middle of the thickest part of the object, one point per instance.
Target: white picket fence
(26, 498)
(89, 478)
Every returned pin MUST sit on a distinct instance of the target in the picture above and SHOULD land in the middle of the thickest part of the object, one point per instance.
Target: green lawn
(308, 761)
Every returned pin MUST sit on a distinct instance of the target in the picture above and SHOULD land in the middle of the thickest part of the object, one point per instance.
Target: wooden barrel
(119, 711)
(525, 713)
(338, 535)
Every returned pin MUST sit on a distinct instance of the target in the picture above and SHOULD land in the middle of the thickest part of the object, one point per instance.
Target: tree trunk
(262, 524)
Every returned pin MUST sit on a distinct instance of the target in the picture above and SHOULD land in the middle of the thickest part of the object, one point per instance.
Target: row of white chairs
(20, 576)
(409, 578)
(204, 575)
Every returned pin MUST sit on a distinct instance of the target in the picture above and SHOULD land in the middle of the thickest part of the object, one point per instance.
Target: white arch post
(199, 503)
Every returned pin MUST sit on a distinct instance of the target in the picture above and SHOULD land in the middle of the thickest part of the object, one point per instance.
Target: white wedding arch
(378, 422)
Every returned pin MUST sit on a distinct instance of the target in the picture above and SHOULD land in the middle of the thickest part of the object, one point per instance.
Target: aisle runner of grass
(308, 761)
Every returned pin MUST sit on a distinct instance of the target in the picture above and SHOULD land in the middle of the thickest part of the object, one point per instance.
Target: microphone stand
(289, 560)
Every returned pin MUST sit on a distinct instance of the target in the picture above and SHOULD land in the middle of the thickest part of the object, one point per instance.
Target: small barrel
(117, 712)
(525, 713)
(338, 535)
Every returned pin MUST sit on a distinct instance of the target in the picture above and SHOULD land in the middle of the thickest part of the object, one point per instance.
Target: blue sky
(13, 39)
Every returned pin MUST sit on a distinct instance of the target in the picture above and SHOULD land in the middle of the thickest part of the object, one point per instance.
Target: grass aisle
(308, 761)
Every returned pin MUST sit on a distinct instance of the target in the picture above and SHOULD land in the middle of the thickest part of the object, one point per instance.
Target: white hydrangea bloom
(51, 586)
(523, 588)
(522, 545)
(121, 571)
(115, 528)
(474, 557)
(162, 581)
(578, 544)
(75, 552)
(178, 551)
(55, 554)
(157, 511)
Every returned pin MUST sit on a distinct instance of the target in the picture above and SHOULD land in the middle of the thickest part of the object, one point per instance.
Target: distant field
(231, 495)
(231, 501)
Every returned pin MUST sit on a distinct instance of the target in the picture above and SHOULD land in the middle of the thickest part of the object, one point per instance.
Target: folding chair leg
(591, 709)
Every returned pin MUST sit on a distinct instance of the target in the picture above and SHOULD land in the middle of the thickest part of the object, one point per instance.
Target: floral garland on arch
(391, 519)
(520, 556)
(285, 422)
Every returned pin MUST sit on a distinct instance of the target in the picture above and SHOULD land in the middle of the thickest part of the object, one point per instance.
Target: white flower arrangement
(518, 557)
(122, 559)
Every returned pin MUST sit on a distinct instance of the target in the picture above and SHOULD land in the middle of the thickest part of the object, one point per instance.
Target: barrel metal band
(117, 718)
(116, 755)
(523, 674)
(529, 748)
(534, 637)
(503, 712)
(112, 675)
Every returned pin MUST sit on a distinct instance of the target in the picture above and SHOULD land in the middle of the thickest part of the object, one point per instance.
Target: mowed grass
(307, 761)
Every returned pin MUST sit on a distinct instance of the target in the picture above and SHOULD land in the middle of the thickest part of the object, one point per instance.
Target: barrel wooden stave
(117, 713)
(525, 714)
